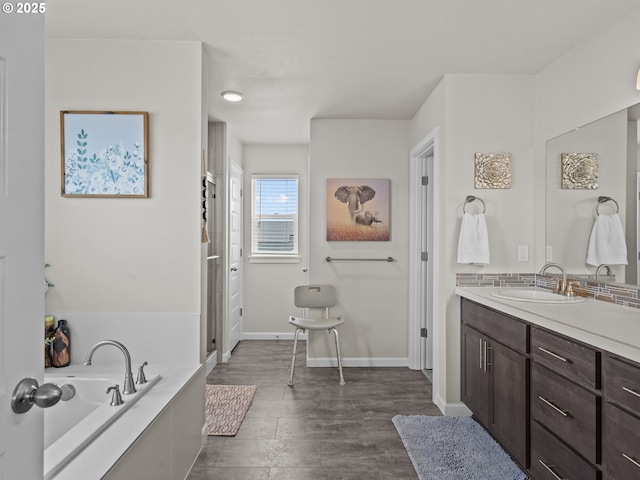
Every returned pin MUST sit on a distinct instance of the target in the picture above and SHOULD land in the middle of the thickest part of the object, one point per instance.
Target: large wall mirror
(571, 210)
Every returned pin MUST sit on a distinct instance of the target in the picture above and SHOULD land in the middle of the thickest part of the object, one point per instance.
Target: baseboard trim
(212, 361)
(358, 362)
(205, 434)
(457, 409)
(272, 336)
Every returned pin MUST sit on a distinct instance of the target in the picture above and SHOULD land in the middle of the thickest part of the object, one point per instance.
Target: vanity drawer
(502, 328)
(571, 359)
(622, 383)
(621, 455)
(569, 411)
(551, 459)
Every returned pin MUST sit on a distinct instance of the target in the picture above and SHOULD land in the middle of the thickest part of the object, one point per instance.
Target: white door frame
(423, 302)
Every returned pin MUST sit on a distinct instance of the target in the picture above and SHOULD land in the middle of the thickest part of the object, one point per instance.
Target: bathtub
(71, 426)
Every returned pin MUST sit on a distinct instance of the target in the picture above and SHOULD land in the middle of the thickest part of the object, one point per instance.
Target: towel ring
(604, 200)
(471, 198)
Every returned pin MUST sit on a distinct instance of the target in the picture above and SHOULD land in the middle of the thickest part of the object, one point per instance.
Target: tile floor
(316, 430)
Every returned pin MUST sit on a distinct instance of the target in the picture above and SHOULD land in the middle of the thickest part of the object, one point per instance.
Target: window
(274, 215)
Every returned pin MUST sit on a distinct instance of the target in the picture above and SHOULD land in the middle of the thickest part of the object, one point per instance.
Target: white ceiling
(375, 59)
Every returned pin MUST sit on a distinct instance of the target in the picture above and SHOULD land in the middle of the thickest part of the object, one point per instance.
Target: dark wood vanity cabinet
(621, 440)
(494, 379)
(562, 409)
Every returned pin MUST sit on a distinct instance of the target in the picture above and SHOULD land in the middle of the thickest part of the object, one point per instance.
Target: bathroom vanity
(557, 385)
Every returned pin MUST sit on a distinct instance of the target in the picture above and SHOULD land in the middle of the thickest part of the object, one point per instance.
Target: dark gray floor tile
(317, 429)
(242, 473)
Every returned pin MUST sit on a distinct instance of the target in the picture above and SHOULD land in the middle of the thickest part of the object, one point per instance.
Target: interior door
(21, 237)
(234, 302)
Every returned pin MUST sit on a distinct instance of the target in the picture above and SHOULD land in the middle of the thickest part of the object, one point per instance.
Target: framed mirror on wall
(603, 155)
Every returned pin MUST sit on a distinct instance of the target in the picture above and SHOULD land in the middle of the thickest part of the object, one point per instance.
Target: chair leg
(293, 357)
(335, 333)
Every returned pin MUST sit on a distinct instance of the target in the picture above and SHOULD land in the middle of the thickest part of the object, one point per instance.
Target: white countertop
(606, 326)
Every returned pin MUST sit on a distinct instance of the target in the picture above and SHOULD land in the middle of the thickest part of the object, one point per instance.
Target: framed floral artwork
(104, 154)
(493, 170)
(579, 171)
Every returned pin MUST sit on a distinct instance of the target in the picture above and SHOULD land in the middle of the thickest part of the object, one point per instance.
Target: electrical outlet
(523, 253)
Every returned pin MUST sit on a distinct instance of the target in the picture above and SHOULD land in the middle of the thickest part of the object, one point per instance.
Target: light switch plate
(523, 253)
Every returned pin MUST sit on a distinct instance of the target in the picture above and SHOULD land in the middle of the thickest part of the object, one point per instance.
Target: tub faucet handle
(116, 398)
(141, 377)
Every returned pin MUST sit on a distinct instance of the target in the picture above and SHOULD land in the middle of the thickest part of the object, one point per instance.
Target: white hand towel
(473, 244)
(607, 243)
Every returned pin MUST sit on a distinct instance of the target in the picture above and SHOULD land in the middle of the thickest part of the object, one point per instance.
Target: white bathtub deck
(99, 457)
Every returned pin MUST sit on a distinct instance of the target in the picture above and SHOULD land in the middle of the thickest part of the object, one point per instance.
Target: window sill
(274, 259)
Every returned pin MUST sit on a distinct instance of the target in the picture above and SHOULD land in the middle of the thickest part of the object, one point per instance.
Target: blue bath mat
(454, 448)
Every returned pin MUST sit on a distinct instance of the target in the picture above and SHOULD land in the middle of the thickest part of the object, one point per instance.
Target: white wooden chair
(310, 297)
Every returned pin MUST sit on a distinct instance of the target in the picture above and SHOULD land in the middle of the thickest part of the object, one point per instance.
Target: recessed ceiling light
(232, 96)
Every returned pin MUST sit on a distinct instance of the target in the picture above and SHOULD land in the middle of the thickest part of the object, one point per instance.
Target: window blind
(274, 215)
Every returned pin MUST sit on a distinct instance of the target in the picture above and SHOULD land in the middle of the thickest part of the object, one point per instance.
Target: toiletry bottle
(48, 339)
(61, 345)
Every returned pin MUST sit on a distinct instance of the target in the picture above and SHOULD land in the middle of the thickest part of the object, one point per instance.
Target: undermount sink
(536, 295)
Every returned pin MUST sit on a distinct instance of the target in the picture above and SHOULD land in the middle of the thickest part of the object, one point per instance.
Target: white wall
(268, 287)
(481, 113)
(130, 256)
(431, 114)
(372, 296)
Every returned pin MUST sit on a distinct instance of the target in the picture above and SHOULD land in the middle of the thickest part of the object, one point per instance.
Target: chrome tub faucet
(129, 386)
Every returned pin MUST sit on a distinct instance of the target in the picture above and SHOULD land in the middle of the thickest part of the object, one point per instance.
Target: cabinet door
(509, 405)
(621, 454)
(475, 374)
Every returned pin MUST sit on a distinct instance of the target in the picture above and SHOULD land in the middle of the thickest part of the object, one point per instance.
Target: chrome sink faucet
(129, 386)
(561, 288)
(599, 269)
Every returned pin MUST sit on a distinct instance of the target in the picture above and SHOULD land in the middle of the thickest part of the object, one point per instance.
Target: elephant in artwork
(368, 218)
(354, 196)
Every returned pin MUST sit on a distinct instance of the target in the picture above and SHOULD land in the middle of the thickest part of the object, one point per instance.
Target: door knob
(234, 269)
(27, 393)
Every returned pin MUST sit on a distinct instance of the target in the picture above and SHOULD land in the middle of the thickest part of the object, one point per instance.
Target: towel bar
(332, 259)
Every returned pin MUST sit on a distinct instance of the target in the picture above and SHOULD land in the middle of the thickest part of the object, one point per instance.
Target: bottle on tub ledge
(48, 339)
(61, 351)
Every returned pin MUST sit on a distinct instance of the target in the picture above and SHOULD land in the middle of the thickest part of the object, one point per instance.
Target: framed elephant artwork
(358, 209)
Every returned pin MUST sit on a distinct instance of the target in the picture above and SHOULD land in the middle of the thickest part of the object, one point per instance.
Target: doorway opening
(423, 257)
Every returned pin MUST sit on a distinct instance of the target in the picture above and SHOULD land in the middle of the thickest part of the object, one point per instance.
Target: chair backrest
(314, 296)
